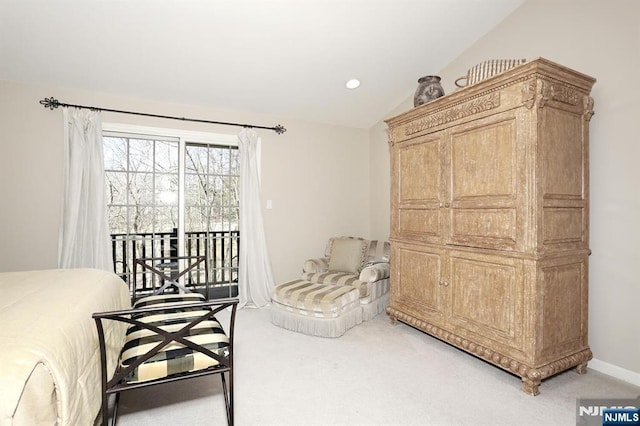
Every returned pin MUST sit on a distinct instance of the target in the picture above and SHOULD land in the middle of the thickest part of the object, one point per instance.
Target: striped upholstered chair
(170, 337)
(350, 284)
(356, 262)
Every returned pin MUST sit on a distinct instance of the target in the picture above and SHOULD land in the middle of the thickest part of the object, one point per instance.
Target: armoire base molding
(531, 377)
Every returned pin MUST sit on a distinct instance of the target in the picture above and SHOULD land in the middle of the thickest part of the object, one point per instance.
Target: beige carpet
(376, 374)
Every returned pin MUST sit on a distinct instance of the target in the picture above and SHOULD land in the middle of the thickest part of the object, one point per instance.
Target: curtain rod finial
(279, 129)
(51, 103)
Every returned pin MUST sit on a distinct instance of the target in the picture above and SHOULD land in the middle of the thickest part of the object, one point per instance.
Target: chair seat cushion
(313, 299)
(339, 279)
(174, 358)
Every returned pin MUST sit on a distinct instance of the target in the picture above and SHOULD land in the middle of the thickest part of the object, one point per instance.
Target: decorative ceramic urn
(429, 88)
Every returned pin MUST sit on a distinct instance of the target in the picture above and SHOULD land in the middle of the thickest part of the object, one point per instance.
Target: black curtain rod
(53, 103)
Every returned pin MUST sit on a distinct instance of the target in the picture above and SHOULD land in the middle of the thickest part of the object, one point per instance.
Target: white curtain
(84, 240)
(255, 278)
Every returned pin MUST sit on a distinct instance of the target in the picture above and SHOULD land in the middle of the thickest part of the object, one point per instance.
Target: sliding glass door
(174, 194)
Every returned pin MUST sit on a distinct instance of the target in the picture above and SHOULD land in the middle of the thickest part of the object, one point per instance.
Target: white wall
(601, 39)
(316, 175)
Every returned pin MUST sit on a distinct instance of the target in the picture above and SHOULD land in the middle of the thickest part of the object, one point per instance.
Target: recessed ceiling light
(353, 83)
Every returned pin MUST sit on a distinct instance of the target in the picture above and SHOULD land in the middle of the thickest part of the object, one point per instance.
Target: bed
(50, 362)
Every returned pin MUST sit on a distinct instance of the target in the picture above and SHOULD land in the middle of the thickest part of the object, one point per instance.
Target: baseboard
(615, 371)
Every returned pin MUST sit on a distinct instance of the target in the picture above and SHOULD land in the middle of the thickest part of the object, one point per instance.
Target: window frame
(183, 137)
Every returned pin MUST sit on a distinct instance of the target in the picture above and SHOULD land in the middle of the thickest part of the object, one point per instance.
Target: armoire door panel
(485, 227)
(419, 191)
(485, 172)
(419, 171)
(417, 282)
(420, 224)
(487, 297)
(483, 161)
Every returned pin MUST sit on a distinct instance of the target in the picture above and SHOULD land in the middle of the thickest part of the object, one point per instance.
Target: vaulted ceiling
(289, 58)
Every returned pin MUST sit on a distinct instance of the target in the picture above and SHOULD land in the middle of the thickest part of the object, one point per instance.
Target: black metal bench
(170, 337)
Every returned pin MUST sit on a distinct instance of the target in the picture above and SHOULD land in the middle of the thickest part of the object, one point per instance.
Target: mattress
(50, 361)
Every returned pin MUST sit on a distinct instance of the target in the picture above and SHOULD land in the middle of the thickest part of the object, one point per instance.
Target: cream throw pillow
(347, 255)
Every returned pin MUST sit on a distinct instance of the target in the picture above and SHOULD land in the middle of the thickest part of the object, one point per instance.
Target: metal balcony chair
(169, 337)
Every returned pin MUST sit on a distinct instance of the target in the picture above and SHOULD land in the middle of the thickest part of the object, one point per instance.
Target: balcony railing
(221, 249)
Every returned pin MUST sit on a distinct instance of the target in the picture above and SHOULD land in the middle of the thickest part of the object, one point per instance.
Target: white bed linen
(49, 356)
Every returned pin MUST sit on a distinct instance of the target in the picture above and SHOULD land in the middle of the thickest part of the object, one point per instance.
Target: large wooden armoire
(490, 219)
